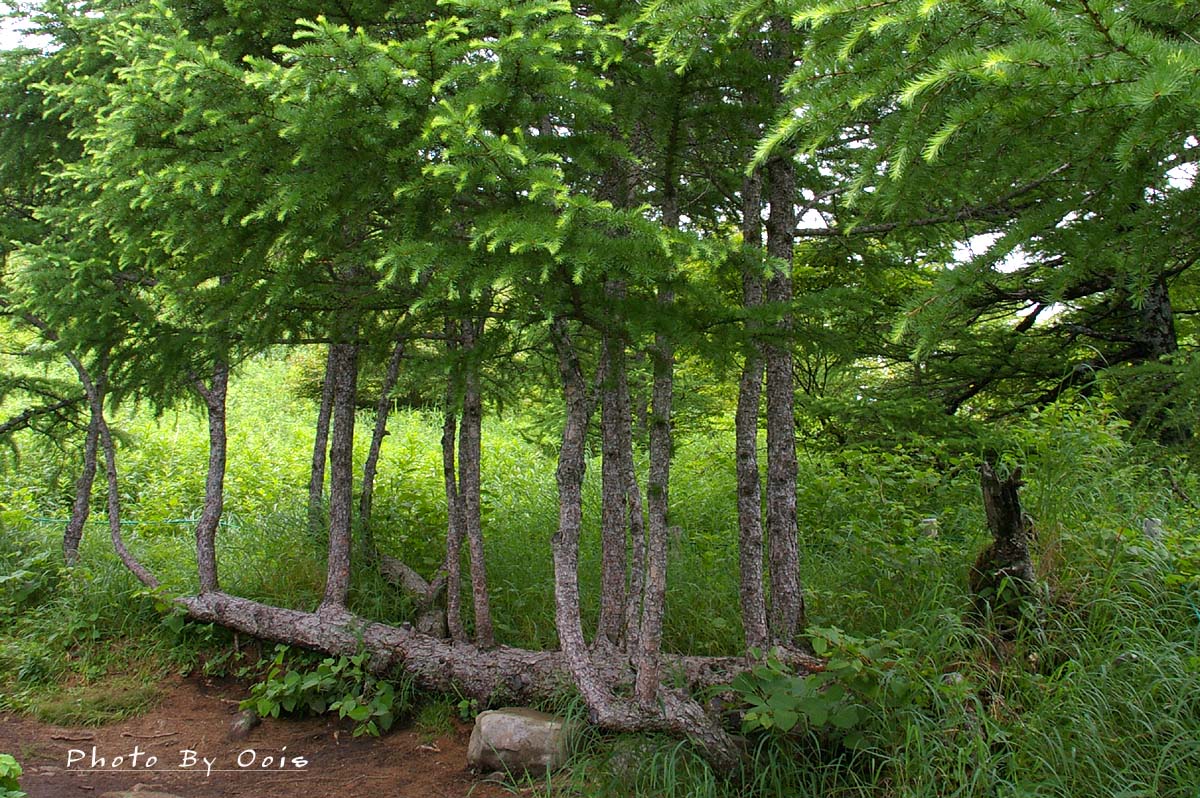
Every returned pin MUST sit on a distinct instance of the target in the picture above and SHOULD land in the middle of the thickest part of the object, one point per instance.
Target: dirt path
(279, 759)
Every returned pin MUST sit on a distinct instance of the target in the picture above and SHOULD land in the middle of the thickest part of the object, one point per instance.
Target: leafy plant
(336, 684)
(10, 771)
(841, 701)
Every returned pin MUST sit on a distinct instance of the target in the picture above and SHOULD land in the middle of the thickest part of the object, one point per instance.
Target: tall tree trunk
(454, 523)
(569, 475)
(614, 503)
(469, 484)
(214, 396)
(659, 478)
(749, 481)
(341, 473)
(81, 507)
(367, 546)
(787, 616)
(316, 480)
(637, 523)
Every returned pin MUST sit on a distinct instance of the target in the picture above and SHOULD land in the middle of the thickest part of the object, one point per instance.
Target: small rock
(242, 724)
(1152, 528)
(136, 793)
(516, 739)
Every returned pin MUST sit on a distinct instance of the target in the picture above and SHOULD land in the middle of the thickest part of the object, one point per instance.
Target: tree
(1052, 134)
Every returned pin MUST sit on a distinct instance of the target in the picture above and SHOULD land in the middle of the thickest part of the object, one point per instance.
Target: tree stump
(1002, 580)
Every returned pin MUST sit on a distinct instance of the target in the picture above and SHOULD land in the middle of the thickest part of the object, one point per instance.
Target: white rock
(517, 739)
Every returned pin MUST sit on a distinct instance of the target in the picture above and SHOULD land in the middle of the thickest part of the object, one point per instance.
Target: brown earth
(194, 716)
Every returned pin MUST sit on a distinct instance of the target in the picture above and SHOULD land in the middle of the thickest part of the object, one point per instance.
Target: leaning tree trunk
(214, 395)
(367, 541)
(344, 359)
(749, 481)
(316, 480)
(469, 482)
(81, 507)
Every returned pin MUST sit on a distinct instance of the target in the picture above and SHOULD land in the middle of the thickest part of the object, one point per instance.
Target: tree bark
(787, 616)
(454, 525)
(344, 360)
(572, 464)
(501, 673)
(614, 519)
(316, 480)
(469, 483)
(657, 504)
(1002, 578)
(214, 396)
(382, 407)
(81, 507)
(749, 481)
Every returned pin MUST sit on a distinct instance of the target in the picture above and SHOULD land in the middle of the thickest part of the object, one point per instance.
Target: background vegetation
(1100, 702)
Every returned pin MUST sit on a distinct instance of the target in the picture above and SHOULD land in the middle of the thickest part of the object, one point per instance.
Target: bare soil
(194, 716)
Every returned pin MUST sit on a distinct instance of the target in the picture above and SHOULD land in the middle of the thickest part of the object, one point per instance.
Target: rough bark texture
(614, 503)
(502, 673)
(657, 502)
(749, 481)
(382, 407)
(316, 479)
(454, 526)
(787, 601)
(565, 543)
(214, 396)
(637, 523)
(469, 455)
(341, 473)
(81, 507)
(1002, 579)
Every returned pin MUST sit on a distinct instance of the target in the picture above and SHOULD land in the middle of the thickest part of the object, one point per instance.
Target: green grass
(1101, 701)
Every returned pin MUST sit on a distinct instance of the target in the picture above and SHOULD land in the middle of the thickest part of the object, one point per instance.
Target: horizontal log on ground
(499, 673)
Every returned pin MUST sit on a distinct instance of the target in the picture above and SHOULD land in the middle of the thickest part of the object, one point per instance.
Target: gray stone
(242, 724)
(136, 793)
(516, 739)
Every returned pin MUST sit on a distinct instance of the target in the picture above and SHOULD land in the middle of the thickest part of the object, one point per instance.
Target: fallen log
(499, 674)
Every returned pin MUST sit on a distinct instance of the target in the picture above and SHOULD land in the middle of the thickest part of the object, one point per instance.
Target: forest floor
(188, 734)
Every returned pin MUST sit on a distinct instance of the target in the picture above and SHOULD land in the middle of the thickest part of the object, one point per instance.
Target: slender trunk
(659, 478)
(787, 615)
(454, 524)
(341, 473)
(749, 481)
(565, 543)
(637, 523)
(214, 396)
(469, 484)
(81, 507)
(367, 541)
(316, 481)
(614, 493)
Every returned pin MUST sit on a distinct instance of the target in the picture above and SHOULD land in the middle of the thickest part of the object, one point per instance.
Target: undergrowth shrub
(295, 683)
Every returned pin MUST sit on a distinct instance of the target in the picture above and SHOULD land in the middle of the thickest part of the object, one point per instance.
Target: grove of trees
(916, 210)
